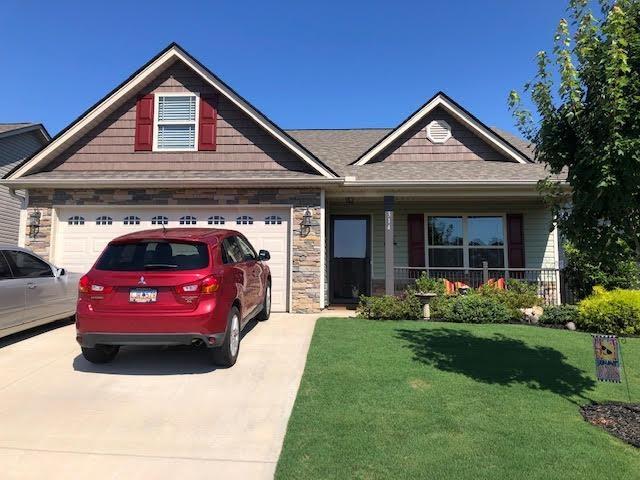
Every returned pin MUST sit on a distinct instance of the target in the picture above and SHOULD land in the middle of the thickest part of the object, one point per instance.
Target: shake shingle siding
(414, 145)
(13, 150)
(242, 145)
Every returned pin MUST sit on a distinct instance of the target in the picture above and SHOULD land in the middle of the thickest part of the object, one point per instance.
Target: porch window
(466, 241)
(488, 233)
(445, 239)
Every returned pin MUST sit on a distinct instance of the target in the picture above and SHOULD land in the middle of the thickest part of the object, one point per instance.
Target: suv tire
(100, 353)
(265, 313)
(226, 354)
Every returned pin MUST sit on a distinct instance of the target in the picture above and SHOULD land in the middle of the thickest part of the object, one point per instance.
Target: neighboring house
(18, 141)
(343, 212)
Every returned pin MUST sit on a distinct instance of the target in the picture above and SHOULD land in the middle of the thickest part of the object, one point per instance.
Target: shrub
(388, 307)
(559, 315)
(471, 308)
(518, 295)
(615, 312)
(583, 273)
(426, 284)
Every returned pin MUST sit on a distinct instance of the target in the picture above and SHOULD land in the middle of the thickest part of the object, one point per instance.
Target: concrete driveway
(151, 413)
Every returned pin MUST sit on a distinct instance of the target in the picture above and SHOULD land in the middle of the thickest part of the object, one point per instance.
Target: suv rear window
(154, 255)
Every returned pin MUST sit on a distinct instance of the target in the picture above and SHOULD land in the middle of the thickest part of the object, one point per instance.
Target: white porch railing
(547, 280)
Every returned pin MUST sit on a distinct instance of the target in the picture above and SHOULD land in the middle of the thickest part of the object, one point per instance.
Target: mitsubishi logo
(141, 281)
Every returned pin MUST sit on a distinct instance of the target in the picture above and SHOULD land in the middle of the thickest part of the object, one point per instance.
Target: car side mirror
(61, 272)
(264, 255)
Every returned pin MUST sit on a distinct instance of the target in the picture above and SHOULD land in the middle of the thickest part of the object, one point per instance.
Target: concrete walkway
(151, 413)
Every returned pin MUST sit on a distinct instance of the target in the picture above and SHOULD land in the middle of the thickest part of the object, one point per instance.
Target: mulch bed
(619, 419)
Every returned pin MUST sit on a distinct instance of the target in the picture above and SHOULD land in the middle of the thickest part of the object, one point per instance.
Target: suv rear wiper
(152, 266)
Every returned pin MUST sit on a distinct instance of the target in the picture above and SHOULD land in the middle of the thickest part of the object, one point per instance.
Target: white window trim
(156, 101)
(465, 239)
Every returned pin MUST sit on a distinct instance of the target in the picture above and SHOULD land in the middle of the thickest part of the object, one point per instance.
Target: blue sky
(325, 64)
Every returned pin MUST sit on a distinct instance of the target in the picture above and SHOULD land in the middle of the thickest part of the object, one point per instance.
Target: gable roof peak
(441, 99)
(137, 81)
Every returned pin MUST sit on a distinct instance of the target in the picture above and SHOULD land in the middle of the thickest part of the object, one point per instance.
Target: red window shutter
(416, 239)
(207, 127)
(144, 124)
(515, 240)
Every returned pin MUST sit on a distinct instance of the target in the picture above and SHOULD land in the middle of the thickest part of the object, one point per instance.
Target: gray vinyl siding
(539, 241)
(13, 150)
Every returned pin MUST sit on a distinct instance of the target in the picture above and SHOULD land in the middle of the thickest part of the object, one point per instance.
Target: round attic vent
(438, 131)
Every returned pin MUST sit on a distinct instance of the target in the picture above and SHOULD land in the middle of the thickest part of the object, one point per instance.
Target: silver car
(33, 291)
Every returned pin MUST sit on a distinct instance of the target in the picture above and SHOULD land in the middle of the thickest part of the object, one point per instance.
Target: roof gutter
(441, 183)
(27, 182)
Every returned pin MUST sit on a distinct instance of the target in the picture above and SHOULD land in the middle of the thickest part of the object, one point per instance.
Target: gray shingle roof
(447, 171)
(339, 148)
(184, 174)
(520, 143)
(7, 127)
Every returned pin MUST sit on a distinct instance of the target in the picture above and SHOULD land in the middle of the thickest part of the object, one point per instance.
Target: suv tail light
(191, 291)
(87, 286)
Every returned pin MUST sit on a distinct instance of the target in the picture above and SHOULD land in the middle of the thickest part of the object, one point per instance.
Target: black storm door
(350, 258)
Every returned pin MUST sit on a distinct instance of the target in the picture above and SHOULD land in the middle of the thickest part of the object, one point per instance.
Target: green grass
(394, 400)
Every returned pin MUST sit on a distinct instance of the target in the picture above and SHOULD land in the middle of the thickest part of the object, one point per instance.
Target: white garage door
(82, 233)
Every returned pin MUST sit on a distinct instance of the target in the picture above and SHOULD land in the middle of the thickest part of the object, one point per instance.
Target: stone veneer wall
(305, 256)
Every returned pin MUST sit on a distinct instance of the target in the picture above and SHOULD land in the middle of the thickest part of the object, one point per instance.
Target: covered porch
(379, 242)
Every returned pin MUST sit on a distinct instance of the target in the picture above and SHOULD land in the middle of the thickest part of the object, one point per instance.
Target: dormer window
(176, 122)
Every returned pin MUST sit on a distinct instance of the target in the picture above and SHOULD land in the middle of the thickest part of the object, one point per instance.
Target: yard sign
(607, 351)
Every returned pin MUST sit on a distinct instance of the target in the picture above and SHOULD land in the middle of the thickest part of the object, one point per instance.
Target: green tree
(586, 95)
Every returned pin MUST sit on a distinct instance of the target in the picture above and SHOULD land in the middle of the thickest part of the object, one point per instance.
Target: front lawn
(392, 400)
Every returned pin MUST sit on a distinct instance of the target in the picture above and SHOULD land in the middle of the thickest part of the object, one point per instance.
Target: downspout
(24, 203)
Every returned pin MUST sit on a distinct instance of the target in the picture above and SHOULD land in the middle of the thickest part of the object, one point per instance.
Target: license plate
(143, 295)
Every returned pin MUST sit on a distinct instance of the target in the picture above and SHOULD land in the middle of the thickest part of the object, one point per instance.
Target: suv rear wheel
(265, 313)
(100, 353)
(226, 354)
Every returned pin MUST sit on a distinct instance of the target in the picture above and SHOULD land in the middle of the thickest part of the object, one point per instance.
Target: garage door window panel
(131, 220)
(104, 220)
(244, 220)
(76, 220)
(160, 220)
(273, 220)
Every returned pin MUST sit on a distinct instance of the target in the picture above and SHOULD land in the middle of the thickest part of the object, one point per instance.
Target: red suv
(180, 286)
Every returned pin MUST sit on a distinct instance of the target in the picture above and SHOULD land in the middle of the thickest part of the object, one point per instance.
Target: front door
(350, 258)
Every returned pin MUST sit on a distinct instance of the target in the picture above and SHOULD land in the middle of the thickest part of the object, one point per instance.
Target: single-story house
(343, 212)
(18, 141)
